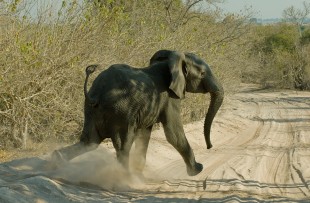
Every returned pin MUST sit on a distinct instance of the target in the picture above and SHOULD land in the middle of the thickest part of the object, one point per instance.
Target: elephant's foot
(194, 171)
(138, 175)
(57, 160)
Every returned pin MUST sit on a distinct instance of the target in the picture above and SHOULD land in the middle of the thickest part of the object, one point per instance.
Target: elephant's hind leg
(65, 154)
(122, 142)
(89, 141)
(139, 155)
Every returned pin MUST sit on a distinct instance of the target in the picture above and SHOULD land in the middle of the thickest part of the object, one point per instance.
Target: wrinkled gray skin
(125, 102)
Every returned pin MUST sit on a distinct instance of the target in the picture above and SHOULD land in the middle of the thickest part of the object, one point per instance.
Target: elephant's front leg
(176, 137)
(178, 140)
(139, 155)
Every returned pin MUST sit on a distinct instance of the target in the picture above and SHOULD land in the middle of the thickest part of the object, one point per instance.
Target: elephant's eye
(202, 73)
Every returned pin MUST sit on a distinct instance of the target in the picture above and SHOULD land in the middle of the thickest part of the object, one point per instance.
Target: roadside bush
(281, 57)
(43, 57)
(305, 38)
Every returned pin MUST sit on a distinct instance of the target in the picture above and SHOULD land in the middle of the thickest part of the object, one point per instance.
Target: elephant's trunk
(217, 97)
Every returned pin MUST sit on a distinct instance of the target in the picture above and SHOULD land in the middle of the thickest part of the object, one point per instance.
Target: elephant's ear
(176, 61)
(178, 82)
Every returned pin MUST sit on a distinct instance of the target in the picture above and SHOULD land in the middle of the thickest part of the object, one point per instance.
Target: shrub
(43, 58)
(281, 57)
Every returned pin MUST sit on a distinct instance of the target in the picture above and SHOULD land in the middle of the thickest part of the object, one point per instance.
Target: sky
(263, 8)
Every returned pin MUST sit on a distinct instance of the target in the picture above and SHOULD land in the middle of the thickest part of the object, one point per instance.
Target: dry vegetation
(43, 56)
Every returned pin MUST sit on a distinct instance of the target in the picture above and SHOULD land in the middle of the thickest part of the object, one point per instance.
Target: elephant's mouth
(195, 86)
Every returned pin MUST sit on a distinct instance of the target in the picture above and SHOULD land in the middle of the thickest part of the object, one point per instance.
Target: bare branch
(297, 15)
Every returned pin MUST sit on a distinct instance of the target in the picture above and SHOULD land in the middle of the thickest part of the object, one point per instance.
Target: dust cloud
(99, 168)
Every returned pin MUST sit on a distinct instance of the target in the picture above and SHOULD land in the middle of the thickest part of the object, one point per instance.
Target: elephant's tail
(89, 70)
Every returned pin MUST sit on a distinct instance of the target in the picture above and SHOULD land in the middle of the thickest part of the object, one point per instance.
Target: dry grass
(42, 61)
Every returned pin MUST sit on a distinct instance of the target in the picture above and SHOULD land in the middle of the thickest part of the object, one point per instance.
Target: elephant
(124, 103)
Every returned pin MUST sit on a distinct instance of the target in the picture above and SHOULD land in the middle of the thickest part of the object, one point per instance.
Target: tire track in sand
(261, 157)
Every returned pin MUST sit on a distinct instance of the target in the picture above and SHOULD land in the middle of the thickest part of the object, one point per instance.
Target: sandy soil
(261, 152)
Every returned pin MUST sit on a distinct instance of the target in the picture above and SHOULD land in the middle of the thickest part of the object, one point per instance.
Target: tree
(297, 16)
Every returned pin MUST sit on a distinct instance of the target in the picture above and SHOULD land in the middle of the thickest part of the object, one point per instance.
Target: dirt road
(261, 152)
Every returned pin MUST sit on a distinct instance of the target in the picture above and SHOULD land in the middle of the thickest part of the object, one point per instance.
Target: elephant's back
(128, 93)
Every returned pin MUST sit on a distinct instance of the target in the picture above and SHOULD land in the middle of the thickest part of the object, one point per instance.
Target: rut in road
(261, 146)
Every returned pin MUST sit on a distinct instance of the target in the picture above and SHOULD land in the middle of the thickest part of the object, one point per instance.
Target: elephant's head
(190, 73)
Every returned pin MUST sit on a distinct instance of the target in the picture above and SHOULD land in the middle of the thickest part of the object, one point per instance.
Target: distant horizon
(262, 9)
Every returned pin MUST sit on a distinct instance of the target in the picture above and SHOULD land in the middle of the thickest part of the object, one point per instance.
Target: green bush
(305, 39)
(281, 56)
